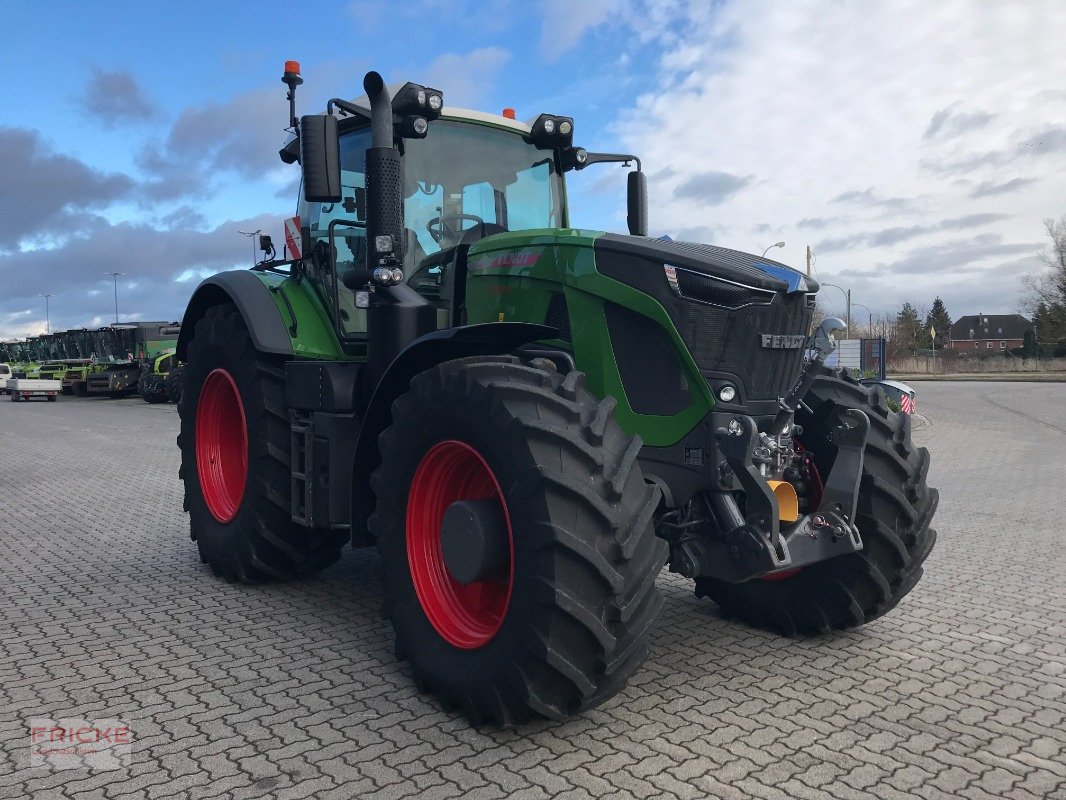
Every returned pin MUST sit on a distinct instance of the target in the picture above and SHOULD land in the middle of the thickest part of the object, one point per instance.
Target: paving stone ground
(291, 690)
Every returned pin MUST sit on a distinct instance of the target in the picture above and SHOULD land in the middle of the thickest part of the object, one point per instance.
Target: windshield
(464, 176)
(461, 177)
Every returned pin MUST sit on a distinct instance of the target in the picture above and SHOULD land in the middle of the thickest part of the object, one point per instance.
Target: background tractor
(132, 345)
(152, 383)
(528, 419)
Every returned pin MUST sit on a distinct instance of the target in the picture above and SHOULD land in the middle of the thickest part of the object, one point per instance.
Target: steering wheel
(439, 229)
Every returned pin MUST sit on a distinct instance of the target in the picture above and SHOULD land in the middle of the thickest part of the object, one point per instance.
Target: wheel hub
(474, 540)
(459, 544)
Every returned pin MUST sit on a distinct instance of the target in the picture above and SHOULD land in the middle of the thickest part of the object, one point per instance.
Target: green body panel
(315, 335)
(511, 277)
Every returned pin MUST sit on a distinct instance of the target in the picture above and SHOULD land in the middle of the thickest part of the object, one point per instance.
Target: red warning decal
(292, 238)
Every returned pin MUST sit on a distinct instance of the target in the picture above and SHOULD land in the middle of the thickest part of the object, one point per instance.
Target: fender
(252, 298)
(490, 338)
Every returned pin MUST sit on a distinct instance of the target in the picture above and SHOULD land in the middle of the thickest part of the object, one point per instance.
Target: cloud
(888, 237)
(1050, 140)
(115, 97)
(564, 22)
(870, 198)
(954, 256)
(712, 188)
(44, 191)
(75, 271)
(992, 188)
(819, 101)
(466, 78)
(947, 123)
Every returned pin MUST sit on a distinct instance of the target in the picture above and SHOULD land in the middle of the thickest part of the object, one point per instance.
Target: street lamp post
(768, 249)
(868, 311)
(847, 315)
(251, 235)
(47, 315)
(115, 276)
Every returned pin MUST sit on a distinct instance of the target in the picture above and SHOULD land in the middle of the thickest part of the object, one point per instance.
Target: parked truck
(30, 388)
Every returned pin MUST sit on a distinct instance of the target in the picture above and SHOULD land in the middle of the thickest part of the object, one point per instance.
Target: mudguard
(252, 299)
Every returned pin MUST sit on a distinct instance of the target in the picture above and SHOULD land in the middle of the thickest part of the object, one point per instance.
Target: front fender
(252, 298)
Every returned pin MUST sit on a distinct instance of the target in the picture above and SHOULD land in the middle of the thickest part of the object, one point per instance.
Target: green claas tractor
(528, 420)
(152, 383)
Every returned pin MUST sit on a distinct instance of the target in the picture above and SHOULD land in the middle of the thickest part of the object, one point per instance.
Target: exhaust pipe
(384, 179)
(397, 314)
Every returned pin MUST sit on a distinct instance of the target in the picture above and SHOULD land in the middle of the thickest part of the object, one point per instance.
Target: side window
(528, 199)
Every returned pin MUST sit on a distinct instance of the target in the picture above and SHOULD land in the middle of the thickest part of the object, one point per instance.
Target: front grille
(730, 341)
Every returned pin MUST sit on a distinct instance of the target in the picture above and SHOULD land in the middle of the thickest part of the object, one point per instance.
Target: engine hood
(720, 262)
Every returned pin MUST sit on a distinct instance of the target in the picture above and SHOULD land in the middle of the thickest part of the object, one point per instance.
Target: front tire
(234, 445)
(563, 620)
(172, 385)
(895, 509)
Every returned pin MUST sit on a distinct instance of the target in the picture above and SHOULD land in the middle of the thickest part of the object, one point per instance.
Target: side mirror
(637, 200)
(824, 339)
(320, 156)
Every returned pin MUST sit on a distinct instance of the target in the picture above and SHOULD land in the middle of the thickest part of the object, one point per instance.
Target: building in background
(985, 333)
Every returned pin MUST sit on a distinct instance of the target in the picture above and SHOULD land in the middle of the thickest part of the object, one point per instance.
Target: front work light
(413, 99)
(549, 130)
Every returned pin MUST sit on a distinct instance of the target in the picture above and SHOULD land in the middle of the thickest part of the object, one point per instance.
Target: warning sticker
(292, 238)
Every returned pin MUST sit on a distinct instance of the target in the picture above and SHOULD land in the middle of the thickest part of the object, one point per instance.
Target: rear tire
(242, 524)
(583, 556)
(895, 509)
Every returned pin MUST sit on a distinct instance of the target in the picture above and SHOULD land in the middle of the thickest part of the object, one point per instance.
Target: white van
(5, 376)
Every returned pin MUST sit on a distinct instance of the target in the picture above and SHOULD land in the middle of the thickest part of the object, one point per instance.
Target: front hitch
(754, 544)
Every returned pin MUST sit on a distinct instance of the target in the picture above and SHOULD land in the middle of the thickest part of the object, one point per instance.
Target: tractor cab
(475, 175)
(465, 176)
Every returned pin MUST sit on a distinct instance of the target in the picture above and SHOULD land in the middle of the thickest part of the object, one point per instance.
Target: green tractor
(527, 419)
(155, 372)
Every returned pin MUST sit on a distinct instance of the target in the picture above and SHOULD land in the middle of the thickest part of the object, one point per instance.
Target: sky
(916, 147)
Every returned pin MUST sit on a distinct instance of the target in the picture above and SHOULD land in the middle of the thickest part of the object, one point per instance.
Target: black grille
(558, 315)
(729, 341)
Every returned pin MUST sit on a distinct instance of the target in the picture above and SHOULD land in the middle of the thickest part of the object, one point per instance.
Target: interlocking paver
(291, 690)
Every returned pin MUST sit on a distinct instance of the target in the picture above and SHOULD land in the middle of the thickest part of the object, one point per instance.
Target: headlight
(549, 126)
(397, 276)
(728, 393)
(436, 102)
(421, 97)
(565, 127)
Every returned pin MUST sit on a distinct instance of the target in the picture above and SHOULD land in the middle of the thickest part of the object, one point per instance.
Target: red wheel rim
(221, 445)
(817, 488)
(466, 616)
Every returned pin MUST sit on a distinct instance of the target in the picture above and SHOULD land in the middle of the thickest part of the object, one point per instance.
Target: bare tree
(1045, 291)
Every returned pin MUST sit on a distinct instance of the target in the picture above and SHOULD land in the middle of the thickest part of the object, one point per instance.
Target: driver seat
(480, 231)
